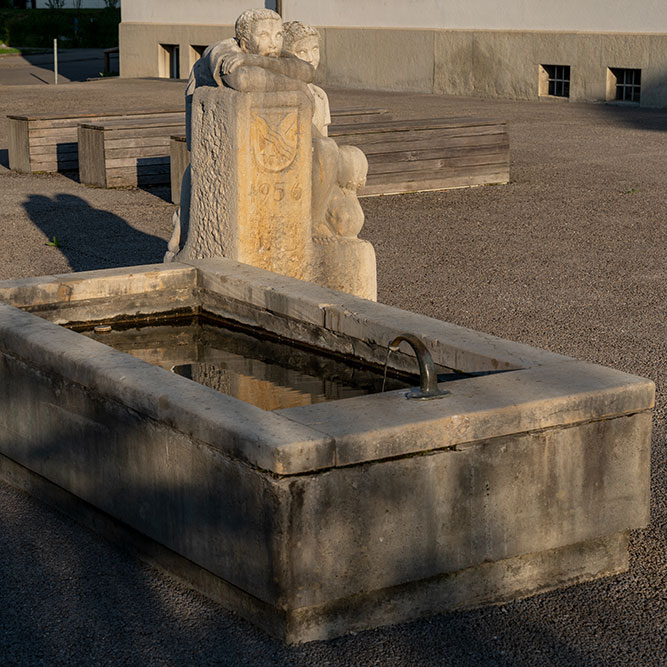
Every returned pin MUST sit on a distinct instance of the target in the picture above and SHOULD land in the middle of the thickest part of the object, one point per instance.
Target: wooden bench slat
(137, 123)
(358, 111)
(406, 125)
(63, 149)
(117, 143)
(364, 139)
(146, 179)
(73, 116)
(148, 169)
(52, 135)
(430, 174)
(429, 143)
(135, 162)
(437, 165)
(424, 182)
(461, 181)
(75, 121)
(129, 133)
(160, 150)
(438, 152)
(49, 166)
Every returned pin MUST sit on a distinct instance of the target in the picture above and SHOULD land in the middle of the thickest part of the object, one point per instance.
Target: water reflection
(267, 373)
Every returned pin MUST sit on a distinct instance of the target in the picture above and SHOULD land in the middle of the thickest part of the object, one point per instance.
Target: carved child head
(303, 41)
(259, 31)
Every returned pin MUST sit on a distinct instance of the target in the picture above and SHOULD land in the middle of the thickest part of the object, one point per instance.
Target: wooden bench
(127, 152)
(409, 155)
(180, 155)
(48, 142)
(431, 154)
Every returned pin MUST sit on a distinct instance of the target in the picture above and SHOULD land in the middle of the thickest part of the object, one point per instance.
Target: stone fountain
(321, 518)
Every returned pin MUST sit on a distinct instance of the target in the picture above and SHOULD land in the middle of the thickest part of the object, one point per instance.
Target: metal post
(55, 61)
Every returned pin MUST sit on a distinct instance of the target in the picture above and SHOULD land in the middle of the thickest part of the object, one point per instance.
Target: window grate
(628, 84)
(559, 80)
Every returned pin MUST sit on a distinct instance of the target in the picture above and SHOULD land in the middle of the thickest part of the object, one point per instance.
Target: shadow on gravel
(653, 120)
(91, 238)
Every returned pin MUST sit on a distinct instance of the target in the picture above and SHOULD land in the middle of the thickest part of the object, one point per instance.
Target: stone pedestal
(251, 179)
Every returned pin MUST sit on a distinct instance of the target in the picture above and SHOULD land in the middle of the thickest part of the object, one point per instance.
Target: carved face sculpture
(266, 39)
(307, 49)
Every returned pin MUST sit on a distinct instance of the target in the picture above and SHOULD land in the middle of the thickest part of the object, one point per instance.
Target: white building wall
(586, 15)
(185, 12)
(649, 16)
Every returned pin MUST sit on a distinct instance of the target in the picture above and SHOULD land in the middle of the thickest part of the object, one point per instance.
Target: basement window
(624, 85)
(196, 52)
(555, 80)
(169, 66)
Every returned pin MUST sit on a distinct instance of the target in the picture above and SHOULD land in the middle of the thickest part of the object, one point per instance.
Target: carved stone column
(251, 179)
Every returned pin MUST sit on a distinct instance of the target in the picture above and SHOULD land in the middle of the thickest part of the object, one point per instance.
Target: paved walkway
(73, 65)
(570, 256)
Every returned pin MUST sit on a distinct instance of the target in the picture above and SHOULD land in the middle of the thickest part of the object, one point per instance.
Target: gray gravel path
(571, 256)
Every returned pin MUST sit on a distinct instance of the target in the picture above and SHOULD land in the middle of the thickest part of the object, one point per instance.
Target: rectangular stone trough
(315, 521)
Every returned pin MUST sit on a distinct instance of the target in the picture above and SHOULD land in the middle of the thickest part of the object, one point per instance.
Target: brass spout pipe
(428, 378)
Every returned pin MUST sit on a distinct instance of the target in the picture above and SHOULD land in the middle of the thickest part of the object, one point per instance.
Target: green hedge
(74, 28)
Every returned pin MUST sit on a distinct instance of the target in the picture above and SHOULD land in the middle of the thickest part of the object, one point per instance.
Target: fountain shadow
(91, 238)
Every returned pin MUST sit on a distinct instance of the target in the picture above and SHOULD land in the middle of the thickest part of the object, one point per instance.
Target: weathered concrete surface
(304, 508)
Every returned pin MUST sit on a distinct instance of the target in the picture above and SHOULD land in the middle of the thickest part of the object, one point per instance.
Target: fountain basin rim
(544, 391)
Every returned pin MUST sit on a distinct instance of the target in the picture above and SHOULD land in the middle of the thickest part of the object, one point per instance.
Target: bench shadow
(67, 155)
(154, 175)
(90, 238)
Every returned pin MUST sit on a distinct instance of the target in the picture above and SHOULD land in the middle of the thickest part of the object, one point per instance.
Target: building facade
(577, 50)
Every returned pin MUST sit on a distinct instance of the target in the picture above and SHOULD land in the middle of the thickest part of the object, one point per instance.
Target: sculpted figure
(303, 41)
(255, 155)
(251, 61)
(338, 172)
(340, 259)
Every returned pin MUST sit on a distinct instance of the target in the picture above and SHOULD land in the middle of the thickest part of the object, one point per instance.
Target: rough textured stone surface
(251, 179)
(346, 264)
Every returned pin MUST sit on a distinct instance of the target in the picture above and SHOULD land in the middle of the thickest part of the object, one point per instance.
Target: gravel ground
(571, 256)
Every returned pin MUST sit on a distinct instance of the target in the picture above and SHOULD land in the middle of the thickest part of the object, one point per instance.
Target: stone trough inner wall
(315, 521)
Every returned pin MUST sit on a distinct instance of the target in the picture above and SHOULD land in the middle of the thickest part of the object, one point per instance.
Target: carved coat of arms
(275, 140)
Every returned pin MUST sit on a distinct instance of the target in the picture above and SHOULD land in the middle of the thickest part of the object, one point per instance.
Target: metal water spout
(428, 378)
